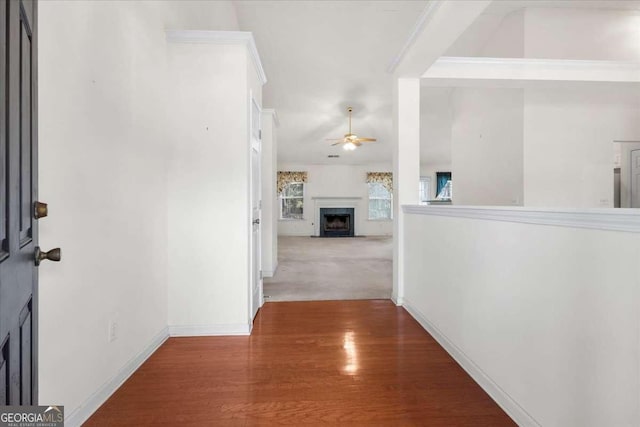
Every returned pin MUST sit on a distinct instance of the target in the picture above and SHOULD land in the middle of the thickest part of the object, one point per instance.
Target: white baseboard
(209, 330)
(510, 406)
(396, 300)
(81, 414)
(270, 273)
(89, 406)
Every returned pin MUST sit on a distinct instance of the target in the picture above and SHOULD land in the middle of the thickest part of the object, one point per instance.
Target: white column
(269, 196)
(406, 168)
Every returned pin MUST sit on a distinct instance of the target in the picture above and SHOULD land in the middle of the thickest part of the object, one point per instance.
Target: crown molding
(424, 19)
(627, 220)
(274, 114)
(450, 67)
(221, 37)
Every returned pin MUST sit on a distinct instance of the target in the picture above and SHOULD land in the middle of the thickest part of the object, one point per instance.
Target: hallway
(341, 363)
(315, 269)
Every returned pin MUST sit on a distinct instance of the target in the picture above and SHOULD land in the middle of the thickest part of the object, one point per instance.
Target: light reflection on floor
(349, 345)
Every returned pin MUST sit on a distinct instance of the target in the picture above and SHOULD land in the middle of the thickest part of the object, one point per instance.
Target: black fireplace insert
(337, 222)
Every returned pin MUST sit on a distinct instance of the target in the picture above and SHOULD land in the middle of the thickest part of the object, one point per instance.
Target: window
(443, 180)
(425, 189)
(292, 201)
(380, 201)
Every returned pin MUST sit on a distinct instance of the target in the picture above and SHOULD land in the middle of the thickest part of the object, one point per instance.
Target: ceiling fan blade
(350, 140)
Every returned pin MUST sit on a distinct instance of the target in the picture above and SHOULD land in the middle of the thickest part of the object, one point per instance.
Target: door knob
(52, 255)
(256, 221)
(40, 210)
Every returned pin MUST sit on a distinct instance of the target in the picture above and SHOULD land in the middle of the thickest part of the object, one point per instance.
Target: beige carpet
(315, 268)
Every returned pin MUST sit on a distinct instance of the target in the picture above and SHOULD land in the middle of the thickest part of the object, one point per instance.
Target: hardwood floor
(365, 363)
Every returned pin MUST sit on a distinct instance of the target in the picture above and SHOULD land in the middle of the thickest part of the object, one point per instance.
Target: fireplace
(337, 222)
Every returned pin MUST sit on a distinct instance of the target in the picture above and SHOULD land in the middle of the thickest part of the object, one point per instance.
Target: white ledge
(598, 219)
(336, 198)
(221, 37)
(530, 69)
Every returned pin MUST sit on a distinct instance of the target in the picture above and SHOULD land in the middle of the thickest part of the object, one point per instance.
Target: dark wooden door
(18, 190)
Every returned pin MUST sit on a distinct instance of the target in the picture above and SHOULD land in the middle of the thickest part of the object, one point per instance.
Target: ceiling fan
(350, 140)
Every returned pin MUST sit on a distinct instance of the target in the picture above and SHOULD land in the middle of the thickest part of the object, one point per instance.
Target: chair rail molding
(627, 220)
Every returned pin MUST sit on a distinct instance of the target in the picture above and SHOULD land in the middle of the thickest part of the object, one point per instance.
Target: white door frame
(625, 171)
(256, 297)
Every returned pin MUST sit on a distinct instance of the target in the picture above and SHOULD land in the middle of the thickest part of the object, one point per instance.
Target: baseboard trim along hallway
(82, 413)
(337, 363)
(503, 399)
(209, 330)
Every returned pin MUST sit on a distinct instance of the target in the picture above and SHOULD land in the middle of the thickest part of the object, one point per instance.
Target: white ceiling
(322, 56)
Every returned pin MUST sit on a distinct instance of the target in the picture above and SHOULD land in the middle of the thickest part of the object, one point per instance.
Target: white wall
(553, 33)
(103, 170)
(209, 219)
(568, 132)
(477, 133)
(199, 15)
(563, 133)
(335, 181)
(546, 318)
(533, 146)
(270, 208)
(436, 120)
(486, 146)
(568, 143)
(581, 33)
(492, 35)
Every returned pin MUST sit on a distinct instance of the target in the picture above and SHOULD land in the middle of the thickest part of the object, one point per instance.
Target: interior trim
(221, 37)
(82, 413)
(451, 67)
(209, 330)
(274, 114)
(627, 220)
(424, 19)
(501, 397)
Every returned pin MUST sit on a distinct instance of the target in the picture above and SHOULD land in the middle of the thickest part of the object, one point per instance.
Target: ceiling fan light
(349, 146)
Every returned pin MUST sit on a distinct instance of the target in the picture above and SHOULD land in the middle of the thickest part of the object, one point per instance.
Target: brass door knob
(40, 210)
(52, 255)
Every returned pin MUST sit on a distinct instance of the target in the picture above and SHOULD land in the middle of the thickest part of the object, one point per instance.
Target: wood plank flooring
(342, 363)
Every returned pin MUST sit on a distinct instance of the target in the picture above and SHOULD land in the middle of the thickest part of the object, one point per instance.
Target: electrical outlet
(113, 330)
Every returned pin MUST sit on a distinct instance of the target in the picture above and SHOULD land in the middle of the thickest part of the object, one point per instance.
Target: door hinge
(260, 274)
(260, 134)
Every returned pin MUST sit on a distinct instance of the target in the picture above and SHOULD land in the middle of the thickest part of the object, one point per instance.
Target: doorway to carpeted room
(332, 269)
